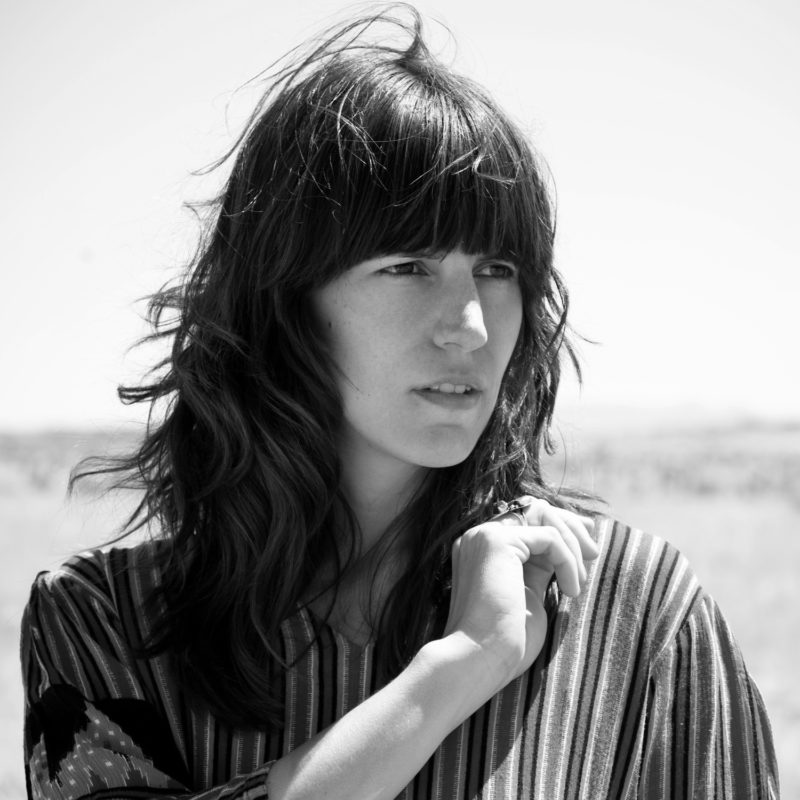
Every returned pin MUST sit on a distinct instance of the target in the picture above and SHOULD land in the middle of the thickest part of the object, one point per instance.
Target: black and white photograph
(400, 400)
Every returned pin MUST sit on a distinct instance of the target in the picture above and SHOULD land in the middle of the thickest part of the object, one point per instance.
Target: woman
(359, 583)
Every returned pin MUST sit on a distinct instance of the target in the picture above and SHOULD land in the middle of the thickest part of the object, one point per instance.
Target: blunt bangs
(389, 152)
(433, 167)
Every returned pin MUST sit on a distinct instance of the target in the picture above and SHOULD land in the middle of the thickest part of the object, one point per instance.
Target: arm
(378, 747)
(709, 734)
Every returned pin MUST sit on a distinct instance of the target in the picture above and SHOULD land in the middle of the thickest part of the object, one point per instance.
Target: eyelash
(509, 272)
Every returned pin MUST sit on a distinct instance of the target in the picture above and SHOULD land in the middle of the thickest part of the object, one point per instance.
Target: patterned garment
(639, 692)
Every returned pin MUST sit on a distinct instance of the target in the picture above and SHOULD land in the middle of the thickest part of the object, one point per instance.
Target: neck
(377, 489)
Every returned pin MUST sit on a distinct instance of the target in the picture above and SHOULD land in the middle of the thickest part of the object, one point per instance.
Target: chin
(445, 456)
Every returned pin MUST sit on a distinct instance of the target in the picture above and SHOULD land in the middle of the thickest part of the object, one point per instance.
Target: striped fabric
(639, 692)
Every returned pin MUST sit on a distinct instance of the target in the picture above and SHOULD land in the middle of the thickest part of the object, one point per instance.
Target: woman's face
(408, 333)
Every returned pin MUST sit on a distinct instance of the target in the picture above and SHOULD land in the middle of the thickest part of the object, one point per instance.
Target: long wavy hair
(358, 147)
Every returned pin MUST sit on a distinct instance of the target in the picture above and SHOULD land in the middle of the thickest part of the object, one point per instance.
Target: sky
(670, 129)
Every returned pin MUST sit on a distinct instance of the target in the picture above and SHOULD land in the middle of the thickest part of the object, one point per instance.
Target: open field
(729, 498)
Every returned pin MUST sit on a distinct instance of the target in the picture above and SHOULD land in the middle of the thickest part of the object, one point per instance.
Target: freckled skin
(399, 322)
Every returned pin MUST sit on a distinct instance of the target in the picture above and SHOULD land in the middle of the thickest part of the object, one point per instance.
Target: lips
(453, 384)
(450, 388)
(452, 401)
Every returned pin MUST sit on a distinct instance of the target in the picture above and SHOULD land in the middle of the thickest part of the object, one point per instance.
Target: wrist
(465, 672)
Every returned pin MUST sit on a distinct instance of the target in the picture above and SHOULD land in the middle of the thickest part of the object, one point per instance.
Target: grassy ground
(728, 498)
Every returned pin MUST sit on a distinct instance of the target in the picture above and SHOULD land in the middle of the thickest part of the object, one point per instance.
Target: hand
(501, 570)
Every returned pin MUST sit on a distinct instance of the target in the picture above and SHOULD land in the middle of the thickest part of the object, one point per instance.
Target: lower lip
(452, 401)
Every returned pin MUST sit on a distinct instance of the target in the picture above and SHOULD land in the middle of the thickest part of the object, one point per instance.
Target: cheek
(359, 348)
(507, 322)
(334, 320)
(515, 325)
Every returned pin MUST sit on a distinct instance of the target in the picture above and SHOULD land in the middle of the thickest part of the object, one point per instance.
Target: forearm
(377, 748)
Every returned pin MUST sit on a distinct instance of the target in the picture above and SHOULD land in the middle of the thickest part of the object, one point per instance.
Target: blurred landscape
(726, 493)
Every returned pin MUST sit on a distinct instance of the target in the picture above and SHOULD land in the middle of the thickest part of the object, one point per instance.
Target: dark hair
(358, 148)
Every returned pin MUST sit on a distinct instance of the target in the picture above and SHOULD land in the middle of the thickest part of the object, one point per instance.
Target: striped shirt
(639, 691)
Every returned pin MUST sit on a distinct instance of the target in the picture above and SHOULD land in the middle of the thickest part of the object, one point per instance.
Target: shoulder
(644, 580)
(633, 555)
(105, 585)
(99, 572)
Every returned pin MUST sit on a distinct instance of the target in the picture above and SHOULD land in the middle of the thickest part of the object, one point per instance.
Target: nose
(460, 320)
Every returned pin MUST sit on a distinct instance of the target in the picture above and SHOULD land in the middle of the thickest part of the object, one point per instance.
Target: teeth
(449, 388)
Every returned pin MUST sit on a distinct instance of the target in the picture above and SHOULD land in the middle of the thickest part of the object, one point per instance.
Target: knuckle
(473, 534)
(538, 508)
(487, 536)
(551, 532)
(485, 533)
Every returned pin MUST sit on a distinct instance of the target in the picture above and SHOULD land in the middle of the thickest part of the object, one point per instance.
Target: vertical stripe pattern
(639, 692)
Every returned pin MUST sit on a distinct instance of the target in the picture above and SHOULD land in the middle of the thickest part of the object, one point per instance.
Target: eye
(498, 270)
(404, 268)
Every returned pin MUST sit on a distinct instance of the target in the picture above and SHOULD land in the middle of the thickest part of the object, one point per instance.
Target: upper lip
(472, 381)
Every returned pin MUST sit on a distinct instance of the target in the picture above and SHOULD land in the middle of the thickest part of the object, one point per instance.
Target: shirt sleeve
(707, 734)
(89, 730)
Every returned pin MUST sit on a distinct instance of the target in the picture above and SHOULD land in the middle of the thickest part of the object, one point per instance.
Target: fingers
(549, 552)
(546, 539)
(540, 512)
(571, 539)
(558, 540)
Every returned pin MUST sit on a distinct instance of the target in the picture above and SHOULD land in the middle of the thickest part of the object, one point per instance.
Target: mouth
(450, 388)
(451, 396)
